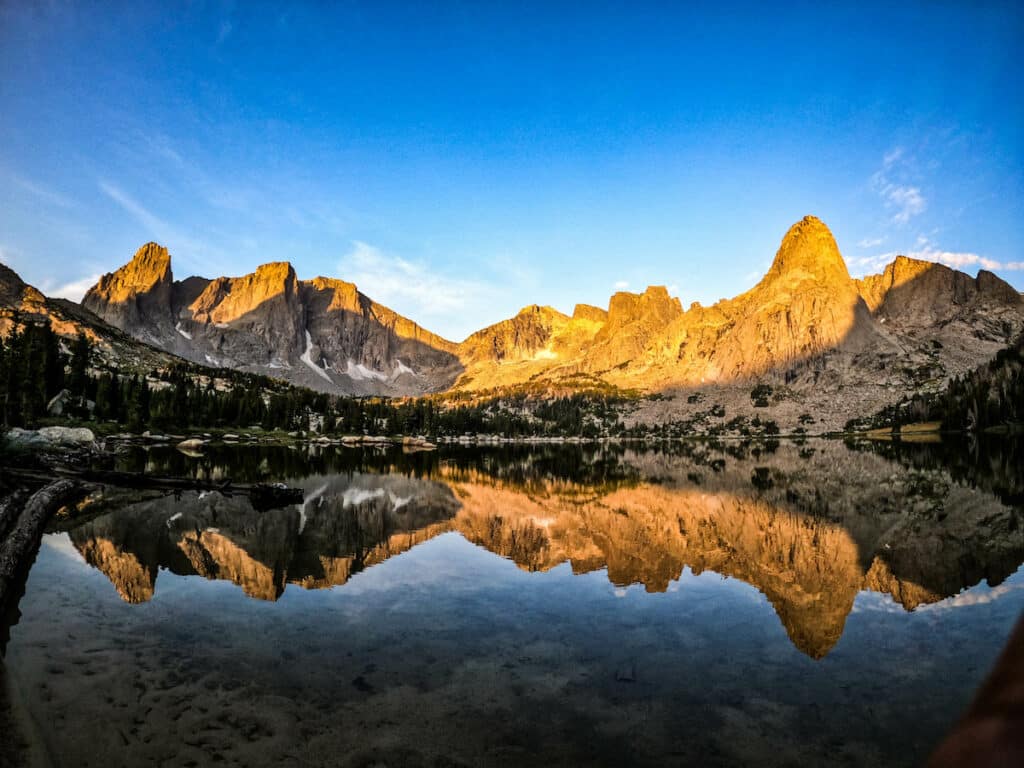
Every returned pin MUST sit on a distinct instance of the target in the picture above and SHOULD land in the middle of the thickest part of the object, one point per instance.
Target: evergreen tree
(78, 374)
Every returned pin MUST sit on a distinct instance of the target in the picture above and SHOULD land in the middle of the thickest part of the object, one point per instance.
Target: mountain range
(807, 329)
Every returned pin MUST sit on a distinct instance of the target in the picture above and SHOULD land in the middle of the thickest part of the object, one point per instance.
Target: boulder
(49, 437)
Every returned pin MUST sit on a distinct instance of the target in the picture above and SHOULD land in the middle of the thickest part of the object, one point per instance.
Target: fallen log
(10, 506)
(264, 495)
(21, 543)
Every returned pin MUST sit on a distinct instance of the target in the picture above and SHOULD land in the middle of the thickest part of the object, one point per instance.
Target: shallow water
(715, 605)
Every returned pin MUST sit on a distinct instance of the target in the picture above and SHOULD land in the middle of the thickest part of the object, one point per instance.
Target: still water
(708, 604)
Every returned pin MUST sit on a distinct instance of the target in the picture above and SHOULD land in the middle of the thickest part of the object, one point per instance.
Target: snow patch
(212, 360)
(397, 502)
(353, 497)
(306, 357)
(356, 496)
(309, 500)
(545, 354)
(359, 371)
(401, 368)
(183, 332)
(221, 325)
(172, 518)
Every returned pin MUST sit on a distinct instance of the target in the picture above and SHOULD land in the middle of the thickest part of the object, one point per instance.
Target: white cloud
(973, 596)
(906, 200)
(871, 242)
(446, 304)
(621, 285)
(892, 156)
(73, 290)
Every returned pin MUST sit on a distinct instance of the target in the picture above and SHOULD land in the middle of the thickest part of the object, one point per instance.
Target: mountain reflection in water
(810, 526)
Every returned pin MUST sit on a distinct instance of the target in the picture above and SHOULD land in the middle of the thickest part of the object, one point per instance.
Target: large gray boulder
(49, 437)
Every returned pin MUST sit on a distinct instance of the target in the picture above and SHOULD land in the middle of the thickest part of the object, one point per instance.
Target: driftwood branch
(154, 482)
(10, 507)
(21, 542)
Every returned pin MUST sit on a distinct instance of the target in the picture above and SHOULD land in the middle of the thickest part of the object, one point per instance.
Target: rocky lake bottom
(713, 604)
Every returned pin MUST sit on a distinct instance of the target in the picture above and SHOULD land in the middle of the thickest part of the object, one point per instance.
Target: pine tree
(79, 366)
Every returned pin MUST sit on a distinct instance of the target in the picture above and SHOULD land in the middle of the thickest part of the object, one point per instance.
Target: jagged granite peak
(654, 306)
(590, 313)
(809, 250)
(226, 299)
(139, 291)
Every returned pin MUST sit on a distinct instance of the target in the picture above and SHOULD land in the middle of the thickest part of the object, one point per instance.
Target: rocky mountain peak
(141, 287)
(995, 287)
(520, 337)
(809, 250)
(653, 304)
(11, 284)
(589, 313)
(148, 268)
(15, 292)
(152, 260)
(275, 272)
(228, 299)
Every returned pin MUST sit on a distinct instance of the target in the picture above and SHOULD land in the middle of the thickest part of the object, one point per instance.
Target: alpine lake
(771, 603)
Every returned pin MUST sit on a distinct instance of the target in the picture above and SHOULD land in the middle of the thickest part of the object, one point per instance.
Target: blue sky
(458, 161)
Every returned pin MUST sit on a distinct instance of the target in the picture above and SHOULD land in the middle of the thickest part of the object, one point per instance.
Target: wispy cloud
(451, 305)
(899, 195)
(42, 192)
(193, 250)
(871, 242)
(136, 209)
(621, 285)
